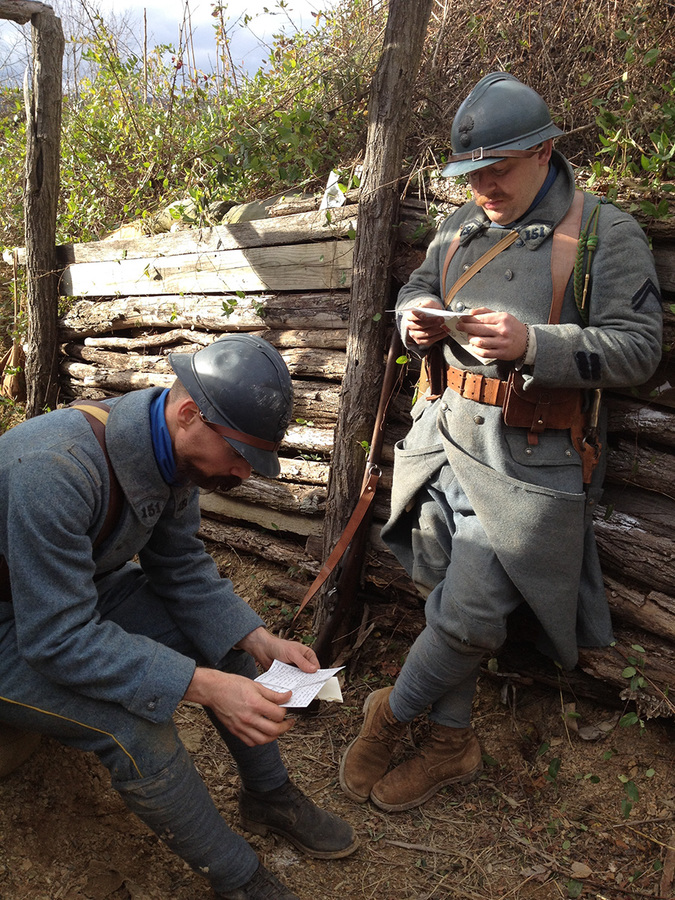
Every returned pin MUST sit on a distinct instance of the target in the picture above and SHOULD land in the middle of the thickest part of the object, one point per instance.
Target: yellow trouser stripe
(46, 712)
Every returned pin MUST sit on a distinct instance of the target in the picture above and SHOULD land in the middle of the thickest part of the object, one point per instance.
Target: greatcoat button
(479, 420)
(508, 274)
(528, 452)
(460, 306)
(568, 452)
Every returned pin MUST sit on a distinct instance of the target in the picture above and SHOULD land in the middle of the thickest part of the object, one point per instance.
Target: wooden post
(389, 106)
(43, 155)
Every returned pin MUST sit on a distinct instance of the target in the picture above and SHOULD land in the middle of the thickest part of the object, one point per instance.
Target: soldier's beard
(187, 472)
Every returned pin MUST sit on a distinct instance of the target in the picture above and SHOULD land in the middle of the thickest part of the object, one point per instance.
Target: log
(649, 610)
(143, 340)
(264, 544)
(598, 676)
(291, 205)
(304, 471)
(43, 157)
(301, 499)
(284, 588)
(631, 543)
(607, 664)
(110, 381)
(643, 465)
(320, 266)
(308, 439)
(330, 339)
(653, 423)
(291, 229)
(388, 111)
(219, 506)
(87, 317)
(664, 259)
(301, 362)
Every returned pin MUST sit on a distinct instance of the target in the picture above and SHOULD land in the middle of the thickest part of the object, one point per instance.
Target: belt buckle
(472, 387)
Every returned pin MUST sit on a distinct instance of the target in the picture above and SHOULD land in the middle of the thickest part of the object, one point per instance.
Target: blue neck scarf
(161, 440)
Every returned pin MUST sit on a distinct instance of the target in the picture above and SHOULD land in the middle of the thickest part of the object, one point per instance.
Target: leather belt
(476, 387)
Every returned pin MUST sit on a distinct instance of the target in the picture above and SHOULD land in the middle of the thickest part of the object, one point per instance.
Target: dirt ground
(554, 814)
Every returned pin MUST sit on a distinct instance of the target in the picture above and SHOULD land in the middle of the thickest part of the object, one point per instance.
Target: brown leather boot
(367, 758)
(448, 756)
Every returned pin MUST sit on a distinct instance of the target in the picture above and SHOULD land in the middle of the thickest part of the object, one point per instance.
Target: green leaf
(631, 791)
(629, 719)
(574, 888)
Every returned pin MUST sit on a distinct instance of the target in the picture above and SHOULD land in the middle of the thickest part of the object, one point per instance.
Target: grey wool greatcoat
(528, 498)
(53, 498)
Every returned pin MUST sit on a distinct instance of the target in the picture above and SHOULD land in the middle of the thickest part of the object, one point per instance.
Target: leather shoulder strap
(96, 413)
(563, 254)
(478, 265)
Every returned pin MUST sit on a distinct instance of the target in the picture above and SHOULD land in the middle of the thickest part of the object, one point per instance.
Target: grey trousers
(468, 599)
(148, 763)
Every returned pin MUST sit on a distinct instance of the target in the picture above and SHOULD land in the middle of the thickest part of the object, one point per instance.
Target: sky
(165, 17)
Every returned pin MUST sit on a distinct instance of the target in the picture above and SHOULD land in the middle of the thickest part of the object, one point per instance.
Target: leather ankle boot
(288, 812)
(448, 756)
(368, 756)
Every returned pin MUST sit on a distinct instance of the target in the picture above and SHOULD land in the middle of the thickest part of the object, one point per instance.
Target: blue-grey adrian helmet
(242, 387)
(501, 117)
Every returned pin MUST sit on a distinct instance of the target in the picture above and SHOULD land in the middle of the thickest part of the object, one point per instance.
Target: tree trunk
(388, 113)
(43, 154)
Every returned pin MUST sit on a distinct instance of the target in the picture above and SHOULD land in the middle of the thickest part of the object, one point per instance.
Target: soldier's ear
(186, 412)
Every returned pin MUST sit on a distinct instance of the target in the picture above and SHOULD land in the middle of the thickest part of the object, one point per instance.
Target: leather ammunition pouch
(539, 408)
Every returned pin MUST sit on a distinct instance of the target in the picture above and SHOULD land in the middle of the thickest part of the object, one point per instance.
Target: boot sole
(418, 801)
(263, 830)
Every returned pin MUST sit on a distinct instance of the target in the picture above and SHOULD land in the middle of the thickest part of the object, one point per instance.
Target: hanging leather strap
(366, 498)
(371, 475)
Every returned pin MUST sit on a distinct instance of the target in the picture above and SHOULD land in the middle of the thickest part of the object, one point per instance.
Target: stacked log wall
(287, 278)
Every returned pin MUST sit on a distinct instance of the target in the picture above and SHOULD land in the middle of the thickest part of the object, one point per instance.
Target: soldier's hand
(496, 335)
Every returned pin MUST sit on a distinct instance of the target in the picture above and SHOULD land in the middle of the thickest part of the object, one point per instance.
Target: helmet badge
(465, 129)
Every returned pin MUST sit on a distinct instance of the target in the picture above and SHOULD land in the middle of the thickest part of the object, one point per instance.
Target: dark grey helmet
(501, 117)
(242, 387)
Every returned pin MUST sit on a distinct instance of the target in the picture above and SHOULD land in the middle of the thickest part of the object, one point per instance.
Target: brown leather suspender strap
(452, 249)
(563, 254)
(476, 266)
(96, 413)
